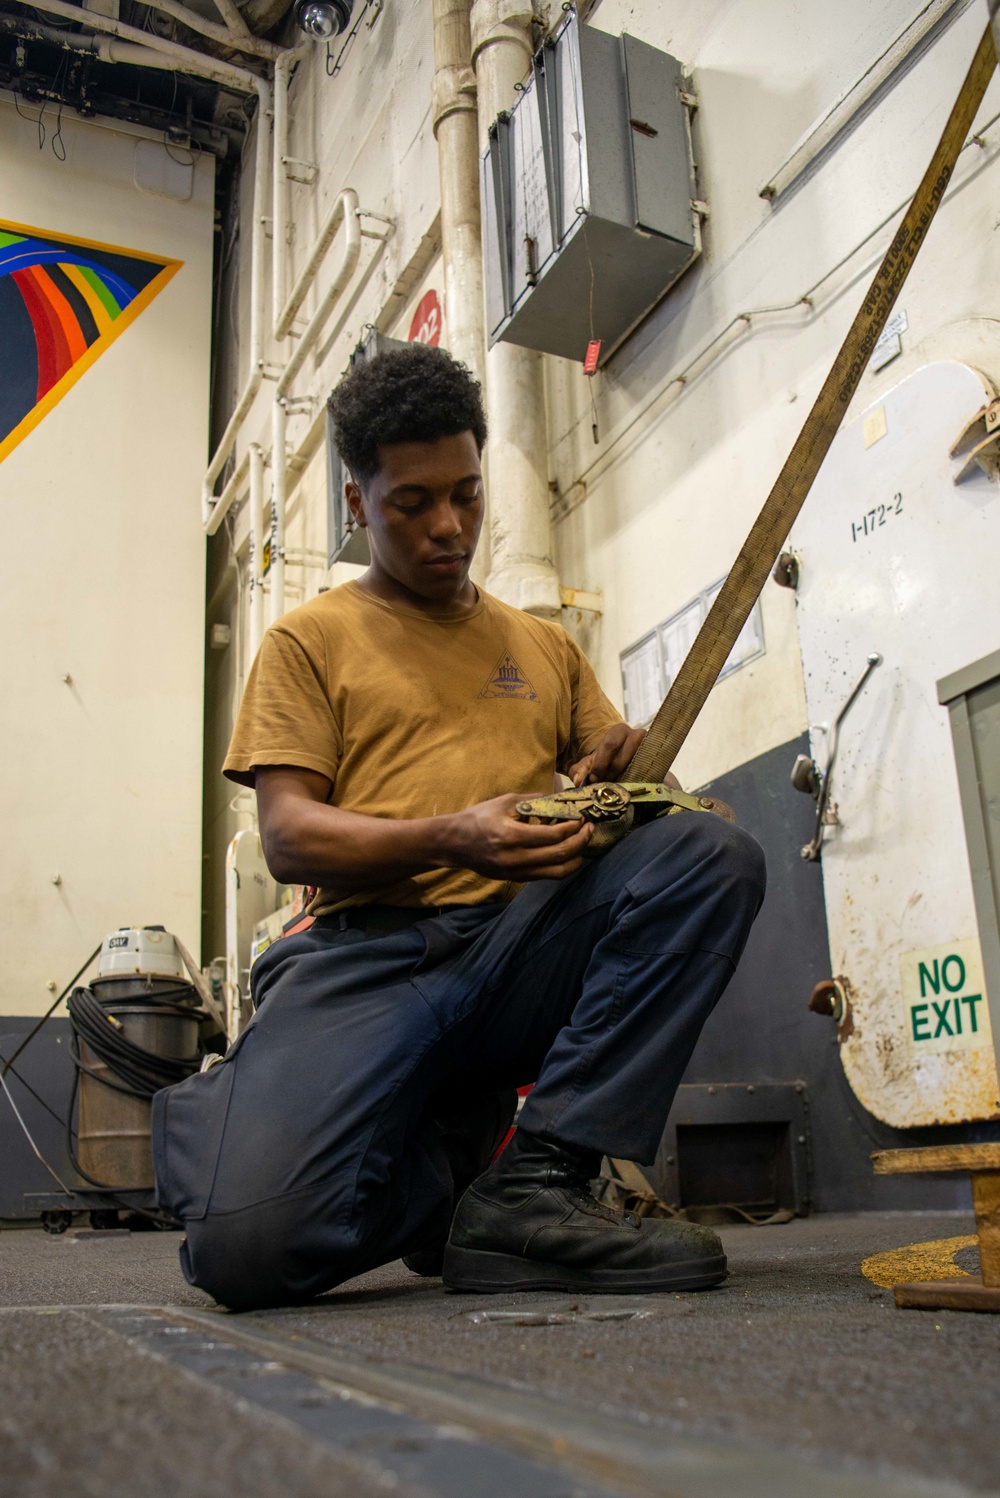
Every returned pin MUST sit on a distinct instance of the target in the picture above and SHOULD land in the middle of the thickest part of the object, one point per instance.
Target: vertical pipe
(256, 503)
(255, 363)
(279, 488)
(279, 180)
(522, 571)
(456, 129)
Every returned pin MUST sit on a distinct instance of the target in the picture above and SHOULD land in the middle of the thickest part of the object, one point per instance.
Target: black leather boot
(470, 1138)
(531, 1223)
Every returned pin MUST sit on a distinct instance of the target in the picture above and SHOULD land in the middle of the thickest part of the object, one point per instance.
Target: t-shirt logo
(508, 680)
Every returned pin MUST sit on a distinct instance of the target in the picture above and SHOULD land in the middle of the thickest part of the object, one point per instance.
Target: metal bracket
(978, 445)
(310, 166)
(580, 598)
(379, 218)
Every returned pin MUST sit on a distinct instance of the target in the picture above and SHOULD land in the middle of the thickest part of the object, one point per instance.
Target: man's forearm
(312, 843)
(309, 841)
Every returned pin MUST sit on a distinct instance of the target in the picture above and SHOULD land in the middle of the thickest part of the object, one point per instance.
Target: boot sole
(475, 1271)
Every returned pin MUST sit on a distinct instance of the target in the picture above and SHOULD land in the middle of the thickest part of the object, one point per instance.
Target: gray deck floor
(796, 1376)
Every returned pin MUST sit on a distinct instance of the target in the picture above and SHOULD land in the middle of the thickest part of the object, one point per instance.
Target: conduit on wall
(741, 323)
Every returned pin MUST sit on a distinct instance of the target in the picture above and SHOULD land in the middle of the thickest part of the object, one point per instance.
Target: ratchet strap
(731, 609)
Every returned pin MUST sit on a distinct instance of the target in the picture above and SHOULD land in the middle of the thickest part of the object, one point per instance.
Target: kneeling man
(388, 727)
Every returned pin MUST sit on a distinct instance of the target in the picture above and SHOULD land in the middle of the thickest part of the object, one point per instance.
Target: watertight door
(898, 558)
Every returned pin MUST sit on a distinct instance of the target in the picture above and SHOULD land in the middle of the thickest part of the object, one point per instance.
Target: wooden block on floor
(937, 1157)
(965, 1294)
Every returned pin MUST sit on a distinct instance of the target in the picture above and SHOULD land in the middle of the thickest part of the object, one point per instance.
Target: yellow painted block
(917, 1262)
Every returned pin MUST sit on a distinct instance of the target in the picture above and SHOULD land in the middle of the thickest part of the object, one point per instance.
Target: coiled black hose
(137, 1072)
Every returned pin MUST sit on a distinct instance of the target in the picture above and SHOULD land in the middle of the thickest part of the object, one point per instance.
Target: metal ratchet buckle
(634, 802)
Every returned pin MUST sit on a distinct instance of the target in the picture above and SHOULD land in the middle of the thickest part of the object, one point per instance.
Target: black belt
(382, 918)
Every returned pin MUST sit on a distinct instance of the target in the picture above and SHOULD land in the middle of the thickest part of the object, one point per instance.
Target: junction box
(588, 193)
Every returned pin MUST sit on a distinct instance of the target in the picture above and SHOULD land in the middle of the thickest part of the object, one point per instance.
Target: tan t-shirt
(410, 716)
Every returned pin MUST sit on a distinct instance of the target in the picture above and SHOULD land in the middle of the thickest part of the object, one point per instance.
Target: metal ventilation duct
(587, 193)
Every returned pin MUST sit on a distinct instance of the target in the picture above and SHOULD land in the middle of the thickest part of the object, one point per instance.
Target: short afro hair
(412, 394)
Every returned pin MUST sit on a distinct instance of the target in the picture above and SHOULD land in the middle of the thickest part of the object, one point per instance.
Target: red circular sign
(426, 324)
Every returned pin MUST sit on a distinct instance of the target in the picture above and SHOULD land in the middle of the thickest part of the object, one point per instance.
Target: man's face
(423, 511)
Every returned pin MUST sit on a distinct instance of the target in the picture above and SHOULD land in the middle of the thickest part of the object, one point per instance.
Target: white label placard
(945, 998)
(889, 345)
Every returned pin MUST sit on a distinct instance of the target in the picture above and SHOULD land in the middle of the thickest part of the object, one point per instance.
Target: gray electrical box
(587, 194)
(347, 542)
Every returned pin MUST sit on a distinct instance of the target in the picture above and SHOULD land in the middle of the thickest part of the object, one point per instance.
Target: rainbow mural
(62, 303)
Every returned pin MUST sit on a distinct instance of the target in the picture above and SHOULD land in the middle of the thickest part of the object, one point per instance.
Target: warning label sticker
(945, 998)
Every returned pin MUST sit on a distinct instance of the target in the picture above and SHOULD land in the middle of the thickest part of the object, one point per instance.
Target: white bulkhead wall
(655, 511)
(103, 602)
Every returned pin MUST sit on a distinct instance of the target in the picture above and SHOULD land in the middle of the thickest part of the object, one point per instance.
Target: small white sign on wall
(890, 343)
(945, 998)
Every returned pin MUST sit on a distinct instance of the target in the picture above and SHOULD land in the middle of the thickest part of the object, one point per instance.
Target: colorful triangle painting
(63, 301)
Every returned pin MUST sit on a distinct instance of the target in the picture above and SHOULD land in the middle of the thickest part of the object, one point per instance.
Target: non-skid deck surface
(796, 1376)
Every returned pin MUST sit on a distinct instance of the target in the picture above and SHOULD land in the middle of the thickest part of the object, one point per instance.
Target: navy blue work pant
(306, 1157)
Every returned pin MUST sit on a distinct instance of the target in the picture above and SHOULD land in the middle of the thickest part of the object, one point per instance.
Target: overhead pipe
(35, 31)
(233, 17)
(244, 41)
(522, 572)
(279, 177)
(176, 58)
(137, 55)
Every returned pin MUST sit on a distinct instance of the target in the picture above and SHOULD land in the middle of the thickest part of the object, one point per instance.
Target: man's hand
(612, 757)
(489, 839)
